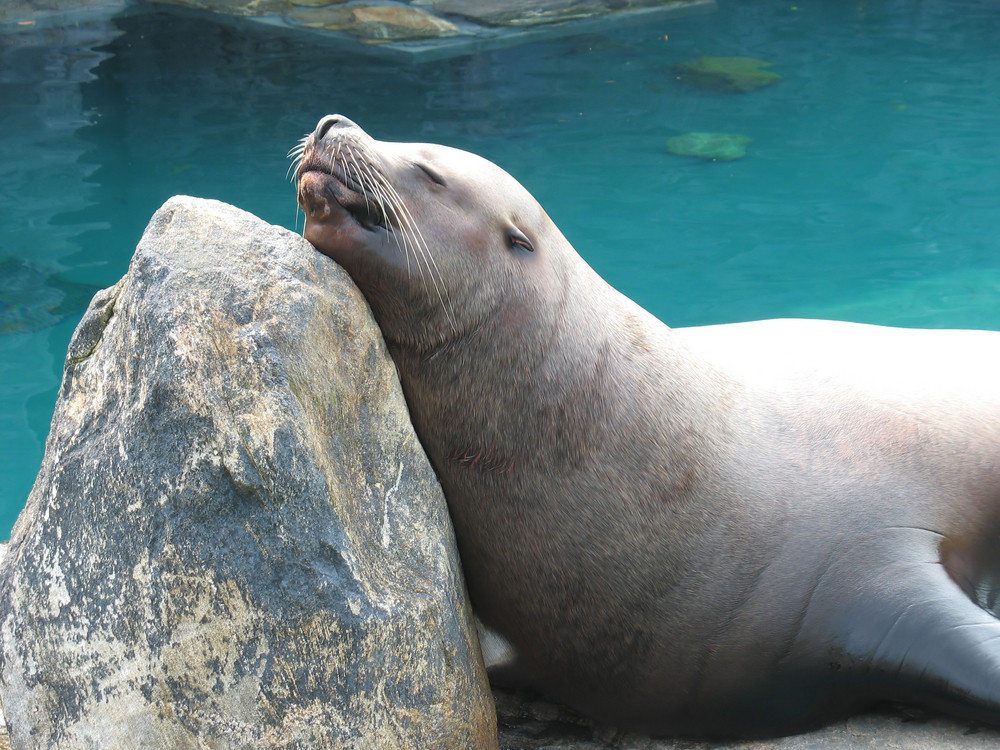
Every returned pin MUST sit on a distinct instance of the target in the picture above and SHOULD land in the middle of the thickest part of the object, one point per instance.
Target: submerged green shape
(727, 73)
(714, 146)
(32, 298)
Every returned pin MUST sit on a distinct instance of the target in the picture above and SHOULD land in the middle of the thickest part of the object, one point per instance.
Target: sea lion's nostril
(324, 125)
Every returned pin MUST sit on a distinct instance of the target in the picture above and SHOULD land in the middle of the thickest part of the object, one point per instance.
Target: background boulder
(235, 539)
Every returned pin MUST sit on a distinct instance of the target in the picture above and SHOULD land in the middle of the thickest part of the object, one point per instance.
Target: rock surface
(527, 723)
(398, 23)
(235, 540)
(237, 7)
(537, 12)
(376, 22)
(522, 12)
(317, 3)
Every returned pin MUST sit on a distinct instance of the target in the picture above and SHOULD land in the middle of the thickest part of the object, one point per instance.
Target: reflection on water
(32, 298)
(44, 172)
(869, 190)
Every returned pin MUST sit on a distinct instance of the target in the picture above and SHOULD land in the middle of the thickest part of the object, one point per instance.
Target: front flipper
(883, 620)
(945, 650)
(915, 636)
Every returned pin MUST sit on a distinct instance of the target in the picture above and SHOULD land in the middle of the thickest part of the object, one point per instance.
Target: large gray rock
(235, 539)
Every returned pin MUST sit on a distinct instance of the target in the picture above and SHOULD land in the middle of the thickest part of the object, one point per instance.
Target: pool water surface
(870, 190)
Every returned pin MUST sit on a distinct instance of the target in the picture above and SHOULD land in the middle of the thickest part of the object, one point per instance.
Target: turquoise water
(870, 192)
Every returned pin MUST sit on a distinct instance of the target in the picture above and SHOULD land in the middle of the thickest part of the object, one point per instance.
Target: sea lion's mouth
(327, 195)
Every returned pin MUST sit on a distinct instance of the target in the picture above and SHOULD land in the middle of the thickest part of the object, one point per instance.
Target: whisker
(361, 181)
(353, 166)
(296, 154)
(409, 237)
(390, 214)
(429, 257)
(293, 169)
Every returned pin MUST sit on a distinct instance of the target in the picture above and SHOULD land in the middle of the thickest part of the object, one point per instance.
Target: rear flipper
(502, 664)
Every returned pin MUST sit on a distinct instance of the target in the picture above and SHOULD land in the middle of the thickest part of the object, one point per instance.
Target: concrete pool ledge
(411, 32)
(472, 37)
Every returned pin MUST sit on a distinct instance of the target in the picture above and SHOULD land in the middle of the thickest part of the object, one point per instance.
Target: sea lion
(734, 530)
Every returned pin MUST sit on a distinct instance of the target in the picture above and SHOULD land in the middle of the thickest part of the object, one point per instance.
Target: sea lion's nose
(328, 123)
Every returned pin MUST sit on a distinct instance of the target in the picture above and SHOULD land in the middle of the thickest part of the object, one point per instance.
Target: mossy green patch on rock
(727, 73)
(714, 146)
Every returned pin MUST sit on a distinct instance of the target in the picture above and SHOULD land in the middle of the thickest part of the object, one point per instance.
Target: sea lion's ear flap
(518, 239)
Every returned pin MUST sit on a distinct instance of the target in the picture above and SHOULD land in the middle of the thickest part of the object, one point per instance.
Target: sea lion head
(439, 240)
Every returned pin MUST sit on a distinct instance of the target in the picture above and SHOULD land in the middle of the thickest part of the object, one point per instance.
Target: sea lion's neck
(518, 388)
